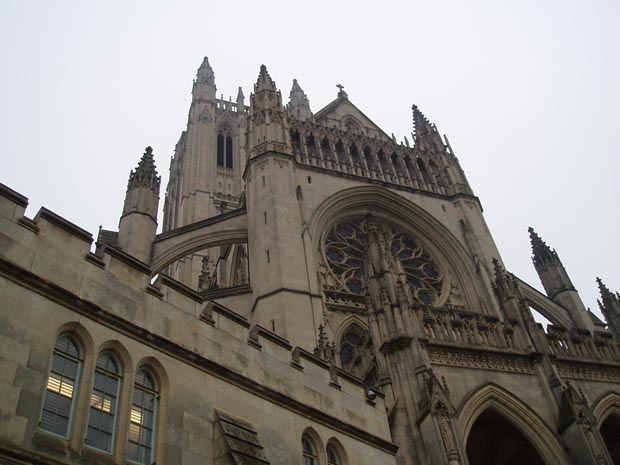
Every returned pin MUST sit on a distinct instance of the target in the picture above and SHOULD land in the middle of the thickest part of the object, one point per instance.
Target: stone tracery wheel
(345, 249)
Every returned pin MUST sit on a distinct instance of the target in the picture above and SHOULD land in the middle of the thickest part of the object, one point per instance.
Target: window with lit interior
(60, 394)
(142, 418)
(103, 403)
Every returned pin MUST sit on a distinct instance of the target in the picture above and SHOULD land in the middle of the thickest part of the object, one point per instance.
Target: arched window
(229, 152)
(309, 451)
(61, 386)
(103, 401)
(142, 418)
(332, 456)
(220, 150)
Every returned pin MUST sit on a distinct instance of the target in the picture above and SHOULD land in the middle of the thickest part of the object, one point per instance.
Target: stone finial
(145, 174)
(341, 92)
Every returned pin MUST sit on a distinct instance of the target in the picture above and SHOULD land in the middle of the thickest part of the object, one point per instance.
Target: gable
(343, 111)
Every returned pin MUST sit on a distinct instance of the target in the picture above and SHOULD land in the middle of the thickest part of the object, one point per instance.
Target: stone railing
(582, 344)
(450, 325)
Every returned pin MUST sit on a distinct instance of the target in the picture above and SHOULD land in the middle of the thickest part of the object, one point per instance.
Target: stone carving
(324, 349)
(206, 281)
(461, 358)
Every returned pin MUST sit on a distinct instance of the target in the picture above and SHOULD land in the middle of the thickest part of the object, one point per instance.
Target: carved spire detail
(324, 349)
(205, 73)
(542, 255)
(427, 137)
(145, 174)
(609, 303)
(299, 104)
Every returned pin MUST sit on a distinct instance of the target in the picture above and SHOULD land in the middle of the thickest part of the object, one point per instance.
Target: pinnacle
(145, 173)
(205, 72)
(264, 81)
(602, 288)
(538, 245)
(420, 123)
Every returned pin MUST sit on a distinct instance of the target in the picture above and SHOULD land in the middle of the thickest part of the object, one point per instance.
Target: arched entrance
(493, 440)
(610, 431)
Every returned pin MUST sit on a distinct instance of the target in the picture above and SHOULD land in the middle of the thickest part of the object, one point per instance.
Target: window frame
(118, 399)
(76, 384)
(156, 393)
(313, 455)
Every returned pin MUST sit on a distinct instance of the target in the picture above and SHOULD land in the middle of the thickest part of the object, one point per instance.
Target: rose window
(346, 246)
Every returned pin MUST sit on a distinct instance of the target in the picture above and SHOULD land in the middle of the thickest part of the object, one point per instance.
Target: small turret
(266, 128)
(299, 105)
(204, 85)
(138, 222)
(609, 303)
(557, 283)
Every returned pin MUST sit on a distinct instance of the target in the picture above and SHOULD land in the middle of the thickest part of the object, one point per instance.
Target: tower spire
(204, 85)
(556, 281)
(609, 303)
(299, 104)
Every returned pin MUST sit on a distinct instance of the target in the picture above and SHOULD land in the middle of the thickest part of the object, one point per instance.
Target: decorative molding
(485, 360)
(589, 372)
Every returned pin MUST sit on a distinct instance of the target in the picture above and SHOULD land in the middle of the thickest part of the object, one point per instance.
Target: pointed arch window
(103, 403)
(309, 451)
(229, 152)
(142, 418)
(220, 150)
(332, 456)
(60, 394)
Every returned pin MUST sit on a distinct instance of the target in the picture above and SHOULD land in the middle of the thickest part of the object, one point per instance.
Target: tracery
(346, 249)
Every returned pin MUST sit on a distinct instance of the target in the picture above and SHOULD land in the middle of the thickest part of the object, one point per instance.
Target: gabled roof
(342, 107)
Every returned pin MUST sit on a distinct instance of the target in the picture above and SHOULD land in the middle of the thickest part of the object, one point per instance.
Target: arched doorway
(610, 431)
(493, 440)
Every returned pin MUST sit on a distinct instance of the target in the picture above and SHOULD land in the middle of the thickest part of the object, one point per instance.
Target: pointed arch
(517, 413)
(607, 404)
(447, 251)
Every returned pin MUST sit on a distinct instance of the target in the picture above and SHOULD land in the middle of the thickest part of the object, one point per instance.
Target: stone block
(13, 350)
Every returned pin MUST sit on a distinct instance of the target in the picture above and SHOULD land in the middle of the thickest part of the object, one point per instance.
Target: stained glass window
(142, 418)
(61, 386)
(103, 401)
(346, 253)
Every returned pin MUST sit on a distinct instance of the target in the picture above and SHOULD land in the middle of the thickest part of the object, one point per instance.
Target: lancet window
(224, 154)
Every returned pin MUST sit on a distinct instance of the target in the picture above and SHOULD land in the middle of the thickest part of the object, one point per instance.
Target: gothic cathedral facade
(320, 294)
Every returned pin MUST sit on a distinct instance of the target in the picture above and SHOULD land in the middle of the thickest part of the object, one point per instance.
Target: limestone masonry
(320, 294)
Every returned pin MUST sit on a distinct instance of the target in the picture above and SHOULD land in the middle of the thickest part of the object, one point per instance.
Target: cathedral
(319, 294)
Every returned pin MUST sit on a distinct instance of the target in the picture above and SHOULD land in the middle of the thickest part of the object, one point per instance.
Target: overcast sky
(526, 91)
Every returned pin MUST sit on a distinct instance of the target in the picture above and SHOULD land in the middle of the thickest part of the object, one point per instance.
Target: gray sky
(526, 91)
